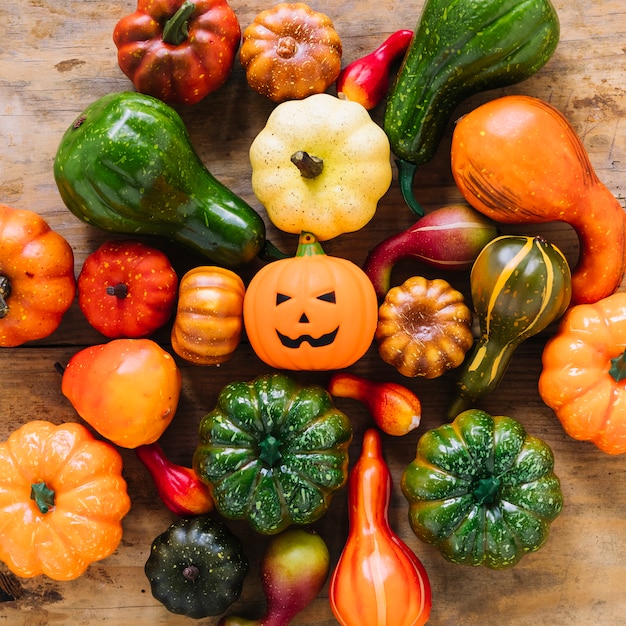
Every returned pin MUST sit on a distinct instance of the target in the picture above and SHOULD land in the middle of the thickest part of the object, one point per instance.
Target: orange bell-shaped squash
(378, 580)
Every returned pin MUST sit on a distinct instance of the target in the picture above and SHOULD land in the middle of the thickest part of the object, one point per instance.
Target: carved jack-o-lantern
(310, 311)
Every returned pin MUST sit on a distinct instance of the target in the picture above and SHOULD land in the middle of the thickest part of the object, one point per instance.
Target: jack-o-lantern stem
(308, 245)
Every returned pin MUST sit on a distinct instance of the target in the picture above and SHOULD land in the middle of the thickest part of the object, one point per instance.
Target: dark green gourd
(460, 47)
(127, 165)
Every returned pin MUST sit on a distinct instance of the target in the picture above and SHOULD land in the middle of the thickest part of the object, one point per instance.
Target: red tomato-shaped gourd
(37, 283)
(126, 389)
(310, 311)
(127, 289)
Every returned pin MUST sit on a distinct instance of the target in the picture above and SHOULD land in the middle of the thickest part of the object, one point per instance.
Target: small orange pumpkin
(290, 52)
(310, 311)
(62, 500)
(208, 325)
(584, 371)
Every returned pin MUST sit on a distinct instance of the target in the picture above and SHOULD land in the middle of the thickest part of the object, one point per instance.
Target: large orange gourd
(378, 580)
(518, 160)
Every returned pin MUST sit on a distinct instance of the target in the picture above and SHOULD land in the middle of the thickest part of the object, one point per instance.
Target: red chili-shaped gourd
(378, 581)
(448, 238)
(179, 487)
(366, 80)
(127, 289)
(395, 408)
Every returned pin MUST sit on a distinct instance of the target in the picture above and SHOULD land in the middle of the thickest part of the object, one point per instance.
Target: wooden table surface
(57, 56)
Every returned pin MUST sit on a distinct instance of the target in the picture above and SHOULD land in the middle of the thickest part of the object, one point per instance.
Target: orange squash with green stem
(518, 160)
(62, 500)
(583, 379)
(378, 581)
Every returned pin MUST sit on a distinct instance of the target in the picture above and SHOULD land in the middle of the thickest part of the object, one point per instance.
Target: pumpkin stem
(310, 166)
(286, 47)
(176, 29)
(43, 496)
(119, 291)
(487, 490)
(270, 450)
(191, 572)
(308, 245)
(5, 292)
(618, 367)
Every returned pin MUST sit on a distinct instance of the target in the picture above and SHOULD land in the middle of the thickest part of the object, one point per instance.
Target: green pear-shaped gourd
(519, 285)
(127, 165)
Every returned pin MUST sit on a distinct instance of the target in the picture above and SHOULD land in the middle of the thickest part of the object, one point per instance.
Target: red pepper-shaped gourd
(179, 487)
(127, 289)
(395, 408)
(366, 80)
(378, 580)
(178, 51)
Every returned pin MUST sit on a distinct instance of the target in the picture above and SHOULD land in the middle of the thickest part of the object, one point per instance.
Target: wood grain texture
(57, 56)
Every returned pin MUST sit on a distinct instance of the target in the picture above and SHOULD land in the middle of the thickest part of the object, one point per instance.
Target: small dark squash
(196, 567)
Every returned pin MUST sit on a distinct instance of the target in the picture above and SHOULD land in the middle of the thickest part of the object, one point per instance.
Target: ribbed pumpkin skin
(311, 311)
(209, 317)
(519, 285)
(378, 580)
(582, 376)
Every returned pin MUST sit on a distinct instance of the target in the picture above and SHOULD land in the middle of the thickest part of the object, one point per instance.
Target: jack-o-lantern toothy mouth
(324, 340)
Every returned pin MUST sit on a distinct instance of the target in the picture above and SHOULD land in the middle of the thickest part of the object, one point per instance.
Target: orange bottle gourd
(378, 580)
(518, 160)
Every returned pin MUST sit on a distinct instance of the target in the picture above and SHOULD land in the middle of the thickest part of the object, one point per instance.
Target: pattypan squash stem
(43, 496)
(5, 292)
(176, 29)
(618, 367)
(487, 490)
(191, 572)
(310, 166)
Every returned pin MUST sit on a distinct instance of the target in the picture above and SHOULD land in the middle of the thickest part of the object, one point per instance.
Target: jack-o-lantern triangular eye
(282, 297)
(328, 297)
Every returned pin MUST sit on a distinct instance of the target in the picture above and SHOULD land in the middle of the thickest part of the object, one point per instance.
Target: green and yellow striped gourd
(519, 285)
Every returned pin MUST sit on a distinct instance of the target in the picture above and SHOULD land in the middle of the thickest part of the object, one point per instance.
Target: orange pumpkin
(290, 52)
(37, 283)
(310, 311)
(584, 373)
(208, 324)
(62, 499)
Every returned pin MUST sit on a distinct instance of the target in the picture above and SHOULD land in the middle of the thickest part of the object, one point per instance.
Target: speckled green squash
(461, 48)
(482, 490)
(196, 567)
(519, 286)
(273, 451)
(127, 165)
